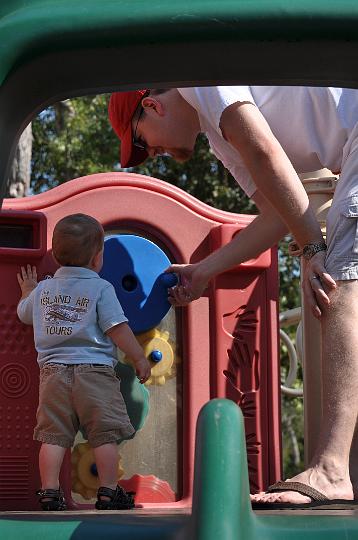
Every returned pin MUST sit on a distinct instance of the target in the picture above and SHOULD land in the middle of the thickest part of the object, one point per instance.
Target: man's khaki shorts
(342, 218)
(86, 395)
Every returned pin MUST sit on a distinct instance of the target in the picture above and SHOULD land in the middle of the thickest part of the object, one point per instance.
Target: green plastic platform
(221, 506)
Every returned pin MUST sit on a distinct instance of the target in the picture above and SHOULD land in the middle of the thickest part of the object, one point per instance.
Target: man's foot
(353, 473)
(332, 489)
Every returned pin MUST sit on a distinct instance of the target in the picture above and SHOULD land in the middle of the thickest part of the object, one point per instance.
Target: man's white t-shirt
(313, 125)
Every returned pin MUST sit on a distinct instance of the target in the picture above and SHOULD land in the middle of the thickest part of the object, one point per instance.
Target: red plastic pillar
(244, 359)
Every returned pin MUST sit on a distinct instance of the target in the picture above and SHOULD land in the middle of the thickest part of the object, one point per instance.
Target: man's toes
(280, 497)
(257, 496)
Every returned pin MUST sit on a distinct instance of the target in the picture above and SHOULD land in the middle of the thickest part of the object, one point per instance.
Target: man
(263, 135)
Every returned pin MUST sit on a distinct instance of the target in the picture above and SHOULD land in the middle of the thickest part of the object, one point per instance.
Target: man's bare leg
(329, 470)
(353, 463)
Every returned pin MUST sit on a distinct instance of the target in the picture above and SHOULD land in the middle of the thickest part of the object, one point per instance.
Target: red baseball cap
(121, 108)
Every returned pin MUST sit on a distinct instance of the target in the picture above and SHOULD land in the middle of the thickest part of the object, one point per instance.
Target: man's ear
(154, 104)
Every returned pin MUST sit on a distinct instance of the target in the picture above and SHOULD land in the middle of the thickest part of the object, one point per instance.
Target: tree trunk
(20, 174)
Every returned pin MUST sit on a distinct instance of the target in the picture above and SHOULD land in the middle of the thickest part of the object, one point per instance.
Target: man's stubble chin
(181, 154)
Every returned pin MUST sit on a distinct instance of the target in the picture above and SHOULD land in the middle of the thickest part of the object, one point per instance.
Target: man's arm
(245, 128)
(261, 234)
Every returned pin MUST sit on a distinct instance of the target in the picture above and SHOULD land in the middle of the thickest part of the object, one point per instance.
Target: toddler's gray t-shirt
(70, 314)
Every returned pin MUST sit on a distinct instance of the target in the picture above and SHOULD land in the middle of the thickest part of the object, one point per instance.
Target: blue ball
(156, 356)
(169, 280)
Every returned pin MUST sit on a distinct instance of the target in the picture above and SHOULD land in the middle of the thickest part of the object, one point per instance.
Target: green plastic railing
(221, 505)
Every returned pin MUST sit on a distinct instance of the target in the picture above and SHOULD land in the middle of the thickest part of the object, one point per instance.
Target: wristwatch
(311, 249)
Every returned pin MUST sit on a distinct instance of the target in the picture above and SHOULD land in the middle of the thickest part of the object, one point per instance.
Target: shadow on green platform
(92, 527)
(221, 506)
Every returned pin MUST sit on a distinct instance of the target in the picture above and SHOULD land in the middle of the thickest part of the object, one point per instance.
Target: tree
(20, 173)
(70, 140)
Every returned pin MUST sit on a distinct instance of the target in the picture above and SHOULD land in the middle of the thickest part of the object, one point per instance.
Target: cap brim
(131, 155)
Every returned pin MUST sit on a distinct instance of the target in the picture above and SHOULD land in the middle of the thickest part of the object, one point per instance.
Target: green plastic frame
(55, 49)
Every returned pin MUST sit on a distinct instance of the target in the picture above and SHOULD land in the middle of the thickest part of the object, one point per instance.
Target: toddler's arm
(124, 338)
(27, 280)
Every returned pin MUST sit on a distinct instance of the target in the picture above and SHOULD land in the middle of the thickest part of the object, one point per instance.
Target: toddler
(78, 322)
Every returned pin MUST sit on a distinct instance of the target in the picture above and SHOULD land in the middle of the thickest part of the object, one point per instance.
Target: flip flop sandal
(119, 499)
(318, 502)
(51, 499)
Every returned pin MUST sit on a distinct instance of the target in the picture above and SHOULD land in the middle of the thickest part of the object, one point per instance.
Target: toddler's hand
(142, 369)
(27, 279)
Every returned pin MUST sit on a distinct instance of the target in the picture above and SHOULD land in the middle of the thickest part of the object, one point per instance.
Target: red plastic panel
(18, 370)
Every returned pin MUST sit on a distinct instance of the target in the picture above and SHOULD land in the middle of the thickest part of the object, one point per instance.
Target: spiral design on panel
(14, 380)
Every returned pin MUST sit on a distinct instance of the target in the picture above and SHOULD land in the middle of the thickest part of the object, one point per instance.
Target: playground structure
(57, 49)
(234, 326)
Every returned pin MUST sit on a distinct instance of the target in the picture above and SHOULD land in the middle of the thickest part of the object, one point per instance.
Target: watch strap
(310, 250)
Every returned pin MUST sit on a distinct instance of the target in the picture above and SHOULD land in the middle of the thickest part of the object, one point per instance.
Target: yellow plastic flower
(85, 480)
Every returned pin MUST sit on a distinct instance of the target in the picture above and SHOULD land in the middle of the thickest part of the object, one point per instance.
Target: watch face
(308, 251)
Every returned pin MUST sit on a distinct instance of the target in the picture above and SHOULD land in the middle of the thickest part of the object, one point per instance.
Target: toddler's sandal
(119, 499)
(51, 499)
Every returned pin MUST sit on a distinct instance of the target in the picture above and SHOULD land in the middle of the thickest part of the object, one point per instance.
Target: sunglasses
(139, 143)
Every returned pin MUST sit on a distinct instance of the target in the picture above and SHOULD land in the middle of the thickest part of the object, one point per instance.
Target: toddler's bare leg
(106, 457)
(50, 462)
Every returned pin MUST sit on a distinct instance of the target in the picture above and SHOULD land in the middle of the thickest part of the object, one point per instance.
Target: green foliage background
(74, 139)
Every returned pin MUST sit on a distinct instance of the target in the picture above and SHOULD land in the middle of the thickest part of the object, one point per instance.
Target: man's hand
(27, 280)
(142, 369)
(317, 284)
(192, 284)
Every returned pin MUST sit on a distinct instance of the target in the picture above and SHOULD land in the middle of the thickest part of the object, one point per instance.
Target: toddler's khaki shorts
(86, 395)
